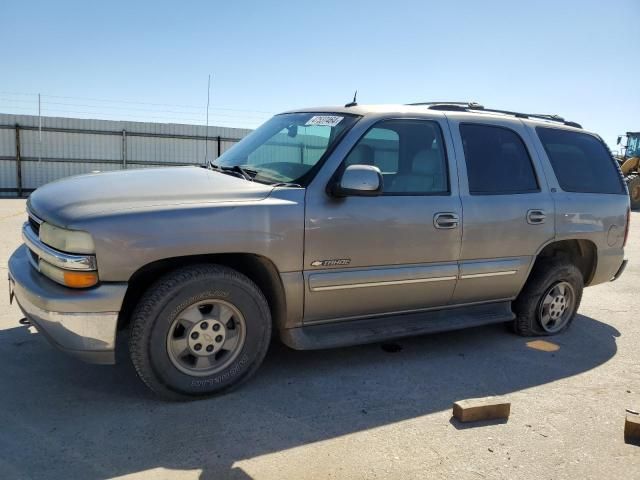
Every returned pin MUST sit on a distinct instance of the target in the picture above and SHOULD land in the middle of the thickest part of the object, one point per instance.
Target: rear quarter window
(580, 161)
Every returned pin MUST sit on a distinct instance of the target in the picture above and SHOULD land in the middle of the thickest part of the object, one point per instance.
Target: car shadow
(64, 419)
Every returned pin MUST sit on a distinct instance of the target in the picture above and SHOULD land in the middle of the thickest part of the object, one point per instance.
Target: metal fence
(37, 150)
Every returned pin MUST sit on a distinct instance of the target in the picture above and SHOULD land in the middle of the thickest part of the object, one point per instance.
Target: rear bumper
(609, 266)
(620, 270)
(80, 322)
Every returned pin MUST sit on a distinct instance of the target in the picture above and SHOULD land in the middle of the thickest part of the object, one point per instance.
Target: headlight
(70, 241)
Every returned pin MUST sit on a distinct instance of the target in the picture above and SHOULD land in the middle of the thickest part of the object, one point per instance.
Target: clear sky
(112, 59)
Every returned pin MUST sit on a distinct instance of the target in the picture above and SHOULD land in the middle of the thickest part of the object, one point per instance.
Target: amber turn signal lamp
(80, 279)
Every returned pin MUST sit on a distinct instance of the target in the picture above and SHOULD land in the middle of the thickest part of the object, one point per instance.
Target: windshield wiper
(245, 172)
(236, 170)
(286, 184)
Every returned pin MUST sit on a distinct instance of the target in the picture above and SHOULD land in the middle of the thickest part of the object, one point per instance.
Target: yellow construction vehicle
(630, 165)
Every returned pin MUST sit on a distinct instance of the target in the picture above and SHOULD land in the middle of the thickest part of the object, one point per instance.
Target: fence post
(18, 162)
(124, 149)
(219, 146)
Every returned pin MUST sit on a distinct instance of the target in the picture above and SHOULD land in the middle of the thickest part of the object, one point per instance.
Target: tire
(190, 303)
(633, 184)
(550, 279)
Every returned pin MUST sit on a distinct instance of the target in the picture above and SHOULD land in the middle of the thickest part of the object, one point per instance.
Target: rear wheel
(199, 331)
(549, 301)
(633, 184)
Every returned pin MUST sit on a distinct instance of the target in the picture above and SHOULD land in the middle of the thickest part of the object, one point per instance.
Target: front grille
(34, 225)
(34, 222)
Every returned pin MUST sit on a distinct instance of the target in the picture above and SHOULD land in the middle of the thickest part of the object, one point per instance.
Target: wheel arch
(582, 253)
(261, 270)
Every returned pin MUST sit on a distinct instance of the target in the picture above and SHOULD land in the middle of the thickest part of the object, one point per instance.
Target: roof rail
(476, 107)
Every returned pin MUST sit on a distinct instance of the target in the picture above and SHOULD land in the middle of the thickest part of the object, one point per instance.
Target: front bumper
(80, 322)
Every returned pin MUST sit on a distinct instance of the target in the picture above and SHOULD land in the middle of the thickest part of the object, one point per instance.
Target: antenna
(354, 102)
(206, 133)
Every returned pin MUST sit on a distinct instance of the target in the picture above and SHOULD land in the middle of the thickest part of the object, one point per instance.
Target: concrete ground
(357, 412)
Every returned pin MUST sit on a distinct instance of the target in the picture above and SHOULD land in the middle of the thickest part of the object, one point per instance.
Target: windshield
(286, 147)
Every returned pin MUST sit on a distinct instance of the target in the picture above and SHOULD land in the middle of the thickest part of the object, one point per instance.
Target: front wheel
(198, 331)
(549, 301)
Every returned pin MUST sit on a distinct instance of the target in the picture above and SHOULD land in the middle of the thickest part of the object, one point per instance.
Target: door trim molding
(347, 279)
(488, 274)
(382, 283)
(412, 280)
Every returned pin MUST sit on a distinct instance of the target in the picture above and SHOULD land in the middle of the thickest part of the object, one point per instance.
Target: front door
(392, 253)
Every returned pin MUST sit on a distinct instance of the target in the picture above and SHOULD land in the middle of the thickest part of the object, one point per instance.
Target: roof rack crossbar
(473, 106)
(444, 103)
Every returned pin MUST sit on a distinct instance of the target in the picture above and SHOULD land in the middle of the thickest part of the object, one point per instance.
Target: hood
(65, 201)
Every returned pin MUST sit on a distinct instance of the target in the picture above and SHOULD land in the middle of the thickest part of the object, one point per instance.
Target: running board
(370, 330)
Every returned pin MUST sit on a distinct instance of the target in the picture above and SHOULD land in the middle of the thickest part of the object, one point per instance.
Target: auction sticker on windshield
(324, 120)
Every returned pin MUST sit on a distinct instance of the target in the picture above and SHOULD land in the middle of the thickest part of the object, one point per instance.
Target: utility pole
(206, 133)
(39, 130)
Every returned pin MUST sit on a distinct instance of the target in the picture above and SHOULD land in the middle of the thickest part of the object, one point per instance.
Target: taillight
(626, 228)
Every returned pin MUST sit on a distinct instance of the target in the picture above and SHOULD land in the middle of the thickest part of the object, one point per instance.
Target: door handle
(536, 217)
(446, 220)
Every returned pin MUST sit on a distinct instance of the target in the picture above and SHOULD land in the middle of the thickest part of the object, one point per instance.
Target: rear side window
(497, 161)
(580, 161)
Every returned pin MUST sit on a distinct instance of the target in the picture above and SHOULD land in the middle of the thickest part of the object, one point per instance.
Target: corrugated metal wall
(7, 167)
(71, 146)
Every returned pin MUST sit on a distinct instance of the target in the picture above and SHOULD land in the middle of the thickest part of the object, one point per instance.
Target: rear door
(508, 213)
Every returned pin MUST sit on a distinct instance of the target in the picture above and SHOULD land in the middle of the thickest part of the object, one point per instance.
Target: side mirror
(359, 180)
(619, 140)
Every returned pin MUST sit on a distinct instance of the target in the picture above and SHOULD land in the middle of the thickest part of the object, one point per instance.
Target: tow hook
(24, 321)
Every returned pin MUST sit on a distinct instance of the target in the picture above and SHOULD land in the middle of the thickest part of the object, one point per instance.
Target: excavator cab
(632, 147)
(630, 165)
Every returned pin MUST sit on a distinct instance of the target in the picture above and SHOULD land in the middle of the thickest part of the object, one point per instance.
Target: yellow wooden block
(543, 345)
(632, 429)
(476, 409)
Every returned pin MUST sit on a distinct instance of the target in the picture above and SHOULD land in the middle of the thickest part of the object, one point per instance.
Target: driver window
(409, 153)
(379, 147)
